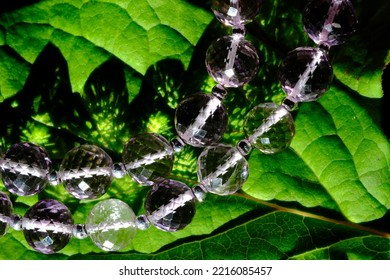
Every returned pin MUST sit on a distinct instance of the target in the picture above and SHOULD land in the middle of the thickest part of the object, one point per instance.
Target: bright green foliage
(83, 71)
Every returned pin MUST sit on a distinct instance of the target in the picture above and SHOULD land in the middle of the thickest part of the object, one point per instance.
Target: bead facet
(329, 22)
(25, 168)
(148, 157)
(235, 12)
(111, 224)
(232, 61)
(201, 120)
(170, 205)
(6, 212)
(86, 172)
(48, 226)
(269, 127)
(306, 74)
(222, 169)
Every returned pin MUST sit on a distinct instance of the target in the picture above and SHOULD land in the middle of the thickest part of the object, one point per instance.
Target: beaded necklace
(200, 121)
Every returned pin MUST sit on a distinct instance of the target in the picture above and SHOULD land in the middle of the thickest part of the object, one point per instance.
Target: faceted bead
(148, 157)
(329, 22)
(86, 172)
(170, 205)
(232, 61)
(48, 226)
(235, 12)
(201, 120)
(306, 74)
(200, 192)
(222, 169)
(25, 168)
(111, 224)
(269, 127)
(6, 211)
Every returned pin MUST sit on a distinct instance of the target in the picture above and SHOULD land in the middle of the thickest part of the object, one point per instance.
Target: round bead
(48, 226)
(170, 205)
(25, 168)
(269, 127)
(232, 61)
(142, 222)
(329, 22)
(201, 120)
(222, 169)
(79, 231)
(111, 224)
(119, 170)
(86, 172)
(200, 192)
(233, 13)
(148, 157)
(306, 74)
(244, 147)
(6, 211)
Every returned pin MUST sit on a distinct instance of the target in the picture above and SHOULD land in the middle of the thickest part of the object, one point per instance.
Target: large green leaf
(79, 71)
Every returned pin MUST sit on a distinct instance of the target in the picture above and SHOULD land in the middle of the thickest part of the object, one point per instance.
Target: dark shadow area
(10, 5)
(386, 100)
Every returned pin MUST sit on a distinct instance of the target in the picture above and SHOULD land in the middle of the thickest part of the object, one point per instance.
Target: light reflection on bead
(306, 74)
(148, 157)
(201, 120)
(170, 205)
(232, 61)
(119, 170)
(86, 172)
(24, 169)
(200, 192)
(269, 127)
(235, 12)
(79, 231)
(329, 22)
(222, 169)
(6, 212)
(48, 226)
(111, 225)
(142, 222)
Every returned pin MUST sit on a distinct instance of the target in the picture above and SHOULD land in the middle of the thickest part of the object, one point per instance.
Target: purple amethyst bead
(48, 226)
(170, 205)
(5, 213)
(24, 168)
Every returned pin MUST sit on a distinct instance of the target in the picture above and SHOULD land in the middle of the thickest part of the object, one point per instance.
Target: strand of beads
(87, 171)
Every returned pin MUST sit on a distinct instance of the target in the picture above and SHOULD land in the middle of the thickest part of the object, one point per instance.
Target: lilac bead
(235, 12)
(48, 226)
(86, 172)
(232, 61)
(25, 168)
(201, 120)
(5, 213)
(329, 22)
(306, 74)
(170, 205)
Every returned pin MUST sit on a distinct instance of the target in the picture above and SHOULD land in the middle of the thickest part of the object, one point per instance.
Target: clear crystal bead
(24, 169)
(6, 212)
(222, 169)
(79, 231)
(142, 222)
(306, 74)
(235, 12)
(48, 226)
(148, 157)
(170, 205)
(219, 91)
(111, 224)
(86, 172)
(119, 170)
(269, 127)
(232, 61)
(200, 192)
(329, 22)
(201, 120)
(289, 104)
(53, 178)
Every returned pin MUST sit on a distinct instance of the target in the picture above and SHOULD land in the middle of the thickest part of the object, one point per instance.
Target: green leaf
(99, 72)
